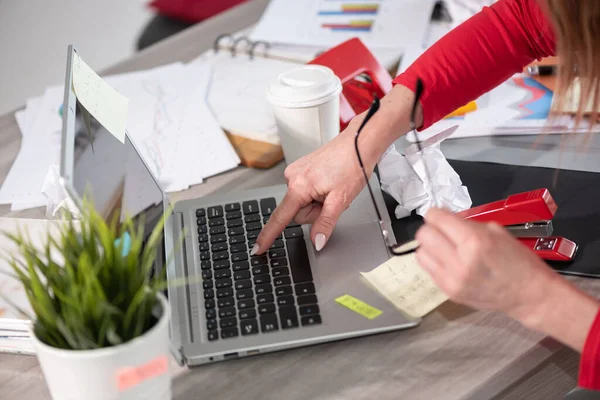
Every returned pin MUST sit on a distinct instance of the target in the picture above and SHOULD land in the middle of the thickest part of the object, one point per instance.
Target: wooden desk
(455, 354)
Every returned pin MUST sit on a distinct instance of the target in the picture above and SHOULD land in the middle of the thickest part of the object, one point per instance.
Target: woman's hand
(482, 266)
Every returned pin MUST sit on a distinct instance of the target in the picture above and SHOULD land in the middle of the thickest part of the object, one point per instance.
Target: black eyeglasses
(413, 245)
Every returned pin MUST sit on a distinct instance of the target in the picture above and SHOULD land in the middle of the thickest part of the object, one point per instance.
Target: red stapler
(528, 216)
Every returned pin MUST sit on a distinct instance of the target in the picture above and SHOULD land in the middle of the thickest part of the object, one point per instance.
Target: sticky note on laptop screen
(107, 105)
(403, 282)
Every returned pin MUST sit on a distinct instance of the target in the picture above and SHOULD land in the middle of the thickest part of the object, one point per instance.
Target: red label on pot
(132, 376)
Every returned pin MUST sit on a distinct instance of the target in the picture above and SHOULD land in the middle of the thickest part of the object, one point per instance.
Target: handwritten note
(403, 282)
(358, 306)
(133, 376)
(107, 105)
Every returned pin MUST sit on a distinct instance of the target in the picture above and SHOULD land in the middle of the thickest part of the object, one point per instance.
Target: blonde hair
(577, 27)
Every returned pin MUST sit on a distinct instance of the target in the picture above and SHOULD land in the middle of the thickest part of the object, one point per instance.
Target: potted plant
(100, 320)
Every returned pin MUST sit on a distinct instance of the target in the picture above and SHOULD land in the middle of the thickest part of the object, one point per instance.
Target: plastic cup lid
(305, 86)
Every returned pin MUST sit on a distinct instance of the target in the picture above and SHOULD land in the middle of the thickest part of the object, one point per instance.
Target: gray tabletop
(456, 353)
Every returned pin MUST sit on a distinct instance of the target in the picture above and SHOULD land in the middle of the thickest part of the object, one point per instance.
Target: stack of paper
(168, 119)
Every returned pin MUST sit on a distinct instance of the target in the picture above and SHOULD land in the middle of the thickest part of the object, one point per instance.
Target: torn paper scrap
(403, 282)
(107, 105)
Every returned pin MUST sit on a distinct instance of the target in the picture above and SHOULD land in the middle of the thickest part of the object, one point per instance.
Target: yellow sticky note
(107, 105)
(358, 306)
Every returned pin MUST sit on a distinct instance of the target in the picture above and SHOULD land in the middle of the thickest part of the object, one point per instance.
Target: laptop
(242, 305)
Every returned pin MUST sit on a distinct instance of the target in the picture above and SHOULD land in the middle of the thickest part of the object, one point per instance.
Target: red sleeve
(192, 10)
(478, 55)
(589, 365)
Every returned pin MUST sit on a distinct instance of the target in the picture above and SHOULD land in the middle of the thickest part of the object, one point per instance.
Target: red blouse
(474, 58)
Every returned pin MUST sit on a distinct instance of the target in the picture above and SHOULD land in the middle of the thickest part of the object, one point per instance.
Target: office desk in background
(456, 353)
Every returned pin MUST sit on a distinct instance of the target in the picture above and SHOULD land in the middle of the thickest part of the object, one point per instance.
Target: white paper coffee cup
(306, 104)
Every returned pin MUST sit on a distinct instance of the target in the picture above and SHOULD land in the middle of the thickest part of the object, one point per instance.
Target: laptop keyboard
(246, 295)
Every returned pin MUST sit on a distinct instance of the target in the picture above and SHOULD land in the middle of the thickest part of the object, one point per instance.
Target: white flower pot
(138, 369)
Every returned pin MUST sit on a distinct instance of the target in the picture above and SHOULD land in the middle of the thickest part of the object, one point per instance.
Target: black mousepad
(576, 193)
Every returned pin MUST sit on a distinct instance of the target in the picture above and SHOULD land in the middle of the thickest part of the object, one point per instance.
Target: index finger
(451, 225)
(283, 214)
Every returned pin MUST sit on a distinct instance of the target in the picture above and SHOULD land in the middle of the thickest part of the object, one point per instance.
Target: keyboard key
(310, 320)
(278, 244)
(282, 271)
(245, 284)
(202, 229)
(246, 303)
(232, 207)
(235, 257)
(252, 235)
(247, 314)
(216, 230)
(218, 239)
(305, 288)
(221, 264)
(203, 238)
(209, 294)
(283, 290)
(222, 273)
(307, 299)
(211, 313)
(212, 324)
(259, 279)
(268, 323)
(207, 274)
(261, 269)
(285, 301)
(299, 263)
(228, 322)
(237, 248)
(225, 292)
(252, 218)
(288, 317)
(204, 255)
(204, 265)
(229, 333)
(216, 222)
(219, 247)
(244, 294)
(233, 215)
(207, 284)
(309, 310)
(237, 239)
(277, 253)
(249, 327)
(203, 246)
(223, 283)
(251, 243)
(209, 303)
(250, 207)
(234, 223)
(239, 275)
(295, 232)
(226, 302)
(214, 212)
(264, 288)
(254, 226)
(200, 212)
(239, 230)
(220, 255)
(266, 219)
(213, 335)
(266, 308)
(267, 206)
(226, 312)
(265, 298)
(201, 220)
(282, 280)
(260, 260)
(240, 266)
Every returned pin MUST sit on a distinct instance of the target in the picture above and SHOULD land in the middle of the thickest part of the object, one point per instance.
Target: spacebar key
(299, 263)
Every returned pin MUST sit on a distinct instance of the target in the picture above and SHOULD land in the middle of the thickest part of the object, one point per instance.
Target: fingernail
(320, 241)
(254, 249)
